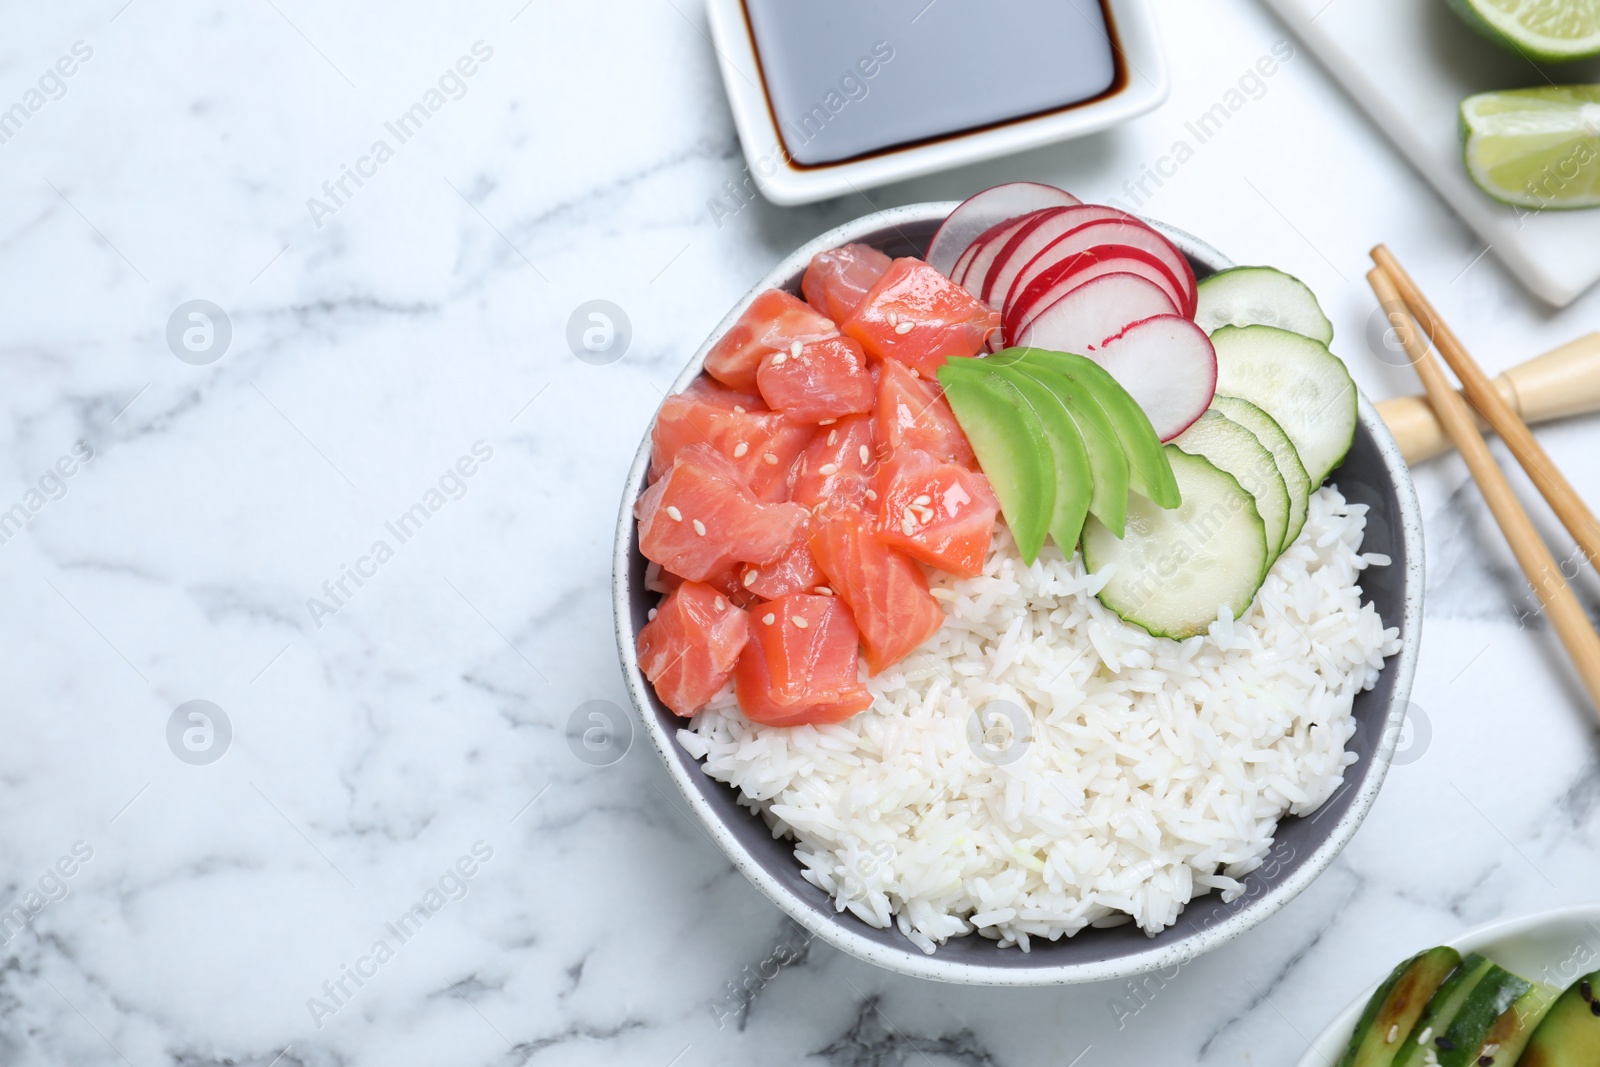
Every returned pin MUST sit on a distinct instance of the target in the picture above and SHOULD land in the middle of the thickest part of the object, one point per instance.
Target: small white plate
(1144, 85)
(1553, 947)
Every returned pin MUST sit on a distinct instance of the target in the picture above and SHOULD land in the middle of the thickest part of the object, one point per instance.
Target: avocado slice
(1107, 461)
(1073, 462)
(1149, 470)
(1510, 1033)
(1392, 1012)
(1569, 1035)
(1442, 1009)
(1011, 446)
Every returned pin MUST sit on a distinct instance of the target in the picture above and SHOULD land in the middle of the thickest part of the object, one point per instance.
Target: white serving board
(1408, 64)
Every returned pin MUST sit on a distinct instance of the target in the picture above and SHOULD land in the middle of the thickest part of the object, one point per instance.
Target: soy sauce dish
(1019, 592)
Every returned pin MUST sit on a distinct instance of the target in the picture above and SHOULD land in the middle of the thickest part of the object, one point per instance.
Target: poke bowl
(1346, 723)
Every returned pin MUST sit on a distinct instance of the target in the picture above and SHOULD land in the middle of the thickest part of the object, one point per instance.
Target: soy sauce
(848, 78)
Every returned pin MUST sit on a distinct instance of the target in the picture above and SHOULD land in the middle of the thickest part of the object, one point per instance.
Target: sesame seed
(699, 527)
(823, 590)
(674, 513)
(866, 456)
(739, 408)
(924, 516)
(799, 621)
(828, 468)
(769, 459)
(769, 618)
(892, 317)
(651, 614)
(923, 501)
(908, 525)
(871, 495)
(904, 328)
(750, 577)
(796, 348)
(720, 604)
(833, 437)
(781, 357)
(1394, 1032)
(1427, 1032)
(826, 422)
(740, 449)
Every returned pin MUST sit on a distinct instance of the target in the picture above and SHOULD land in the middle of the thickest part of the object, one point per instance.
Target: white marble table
(402, 740)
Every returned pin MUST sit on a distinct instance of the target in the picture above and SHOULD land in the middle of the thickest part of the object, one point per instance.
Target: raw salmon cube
(810, 643)
(939, 513)
(837, 280)
(913, 413)
(752, 686)
(701, 518)
(773, 322)
(817, 380)
(763, 444)
(793, 572)
(919, 317)
(835, 467)
(885, 589)
(689, 650)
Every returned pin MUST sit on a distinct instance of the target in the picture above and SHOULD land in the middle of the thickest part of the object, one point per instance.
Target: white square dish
(1140, 83)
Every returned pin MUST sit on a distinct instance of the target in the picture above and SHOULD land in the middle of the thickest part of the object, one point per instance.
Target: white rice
(1144, 772)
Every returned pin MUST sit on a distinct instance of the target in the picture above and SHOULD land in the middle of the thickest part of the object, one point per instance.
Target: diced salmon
(657, 579)
(773, 322)
(837, 280)
(796, 675)
(811, 646)
(835, 467)
(817, 380)
(700, 518)
(913, 413)
(689, 650)
(885, 589)
(919, 317)
(795, 571)
(939, 513)
(736, 424)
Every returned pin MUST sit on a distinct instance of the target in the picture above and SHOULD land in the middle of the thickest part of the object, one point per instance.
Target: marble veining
(226, 909)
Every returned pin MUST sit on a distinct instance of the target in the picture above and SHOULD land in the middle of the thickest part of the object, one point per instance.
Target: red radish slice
(961, 264)
(1028, 242)
(1168, 365)
(989, 246)
(1097, 262)
(982, 212)
(1018, 237)
(1120, 232)
(1084, 319)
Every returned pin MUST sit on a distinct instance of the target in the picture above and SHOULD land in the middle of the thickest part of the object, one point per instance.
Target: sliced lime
(1549, 30)
(1537, 148)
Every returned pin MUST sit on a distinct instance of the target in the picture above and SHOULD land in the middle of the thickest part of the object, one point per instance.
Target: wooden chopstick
(1560, 603)
(1486, 399)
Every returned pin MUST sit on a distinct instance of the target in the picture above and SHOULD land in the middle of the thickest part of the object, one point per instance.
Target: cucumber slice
(1569, 1034)
(1175, 569)
(1270, 434)
(1505, 1041)
(1233, 448)
(1304, 387)
(1492, 997)
(1011, 446)
(1442, 1009)
(1261, 296)
(1390, 1015)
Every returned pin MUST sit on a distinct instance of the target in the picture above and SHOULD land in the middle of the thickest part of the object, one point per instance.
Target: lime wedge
(1547, 30)
(1537, 148)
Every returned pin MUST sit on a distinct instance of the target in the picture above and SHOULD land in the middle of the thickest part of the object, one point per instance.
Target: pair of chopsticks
(1399, 295)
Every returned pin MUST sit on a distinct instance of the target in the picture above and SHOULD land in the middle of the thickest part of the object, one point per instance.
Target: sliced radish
(1168, 365)
(1086, 318)
(961, 264)
(1019, 237)
(1027, 243)
(1114, 231)
(1084, 267)
(979, 213)
(989, 246)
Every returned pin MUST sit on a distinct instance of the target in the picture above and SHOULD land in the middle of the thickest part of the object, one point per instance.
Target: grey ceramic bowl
(1373, 474)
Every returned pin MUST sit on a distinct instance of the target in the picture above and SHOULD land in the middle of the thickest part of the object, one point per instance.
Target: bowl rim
(907, 959)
